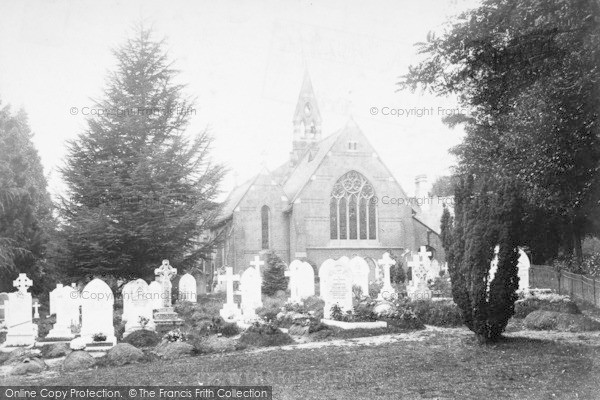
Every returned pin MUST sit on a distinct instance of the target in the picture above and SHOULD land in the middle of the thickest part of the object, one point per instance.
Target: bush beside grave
(124, 353)
(546, 302)
(55, 350)
(552, 320)
(437, 313)
(142, 338)
(264, 335)
(78, 360)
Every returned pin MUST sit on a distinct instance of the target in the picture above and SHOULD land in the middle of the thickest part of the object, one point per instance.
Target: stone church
(323, 203)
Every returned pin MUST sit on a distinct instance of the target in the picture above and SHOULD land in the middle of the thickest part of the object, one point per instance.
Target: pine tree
(274, 278)
(140, 190)
(25, 205)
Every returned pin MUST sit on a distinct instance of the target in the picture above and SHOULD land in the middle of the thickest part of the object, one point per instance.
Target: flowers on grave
(175, 336)
(99, 337)
(78, 344)
(143, 321)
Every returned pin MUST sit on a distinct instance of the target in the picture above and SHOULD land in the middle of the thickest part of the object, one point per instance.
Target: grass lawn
(442, 365)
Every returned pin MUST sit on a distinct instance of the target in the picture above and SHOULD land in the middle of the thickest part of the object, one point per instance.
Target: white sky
(244, 62)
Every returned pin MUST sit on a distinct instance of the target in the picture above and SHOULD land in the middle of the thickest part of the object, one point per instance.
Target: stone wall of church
(310, 221)
(247, 233)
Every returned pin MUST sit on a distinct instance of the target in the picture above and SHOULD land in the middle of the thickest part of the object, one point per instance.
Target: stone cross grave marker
(18, 314)
(387, 292)
(187, 288)
(421, 263)
(230, 310)
(165, 273)
(36, 308)
(97, 311)
(251, 292)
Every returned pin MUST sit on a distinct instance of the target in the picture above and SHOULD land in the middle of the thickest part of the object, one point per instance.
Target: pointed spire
(307, 97)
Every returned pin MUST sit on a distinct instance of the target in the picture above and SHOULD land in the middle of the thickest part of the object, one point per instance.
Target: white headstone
(251, 292)
(187, 288)
(127, 295)
(21, 331)
(155, 295)
(302, 280)
(337, 288)
(140, 311)
(97, 311)
(36, 309)
(257, 263)
(52, 295)
(165, 273)
(324, 274)
(64, 300)
(360, 274)
(230, 310)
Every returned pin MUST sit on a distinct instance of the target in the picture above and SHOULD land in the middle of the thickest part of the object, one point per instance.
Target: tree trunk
(577, 246)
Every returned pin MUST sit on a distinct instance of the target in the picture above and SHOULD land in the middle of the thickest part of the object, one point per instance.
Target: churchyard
(327, 335)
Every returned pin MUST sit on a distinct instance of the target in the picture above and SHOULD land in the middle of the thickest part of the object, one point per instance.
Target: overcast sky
(244, 62)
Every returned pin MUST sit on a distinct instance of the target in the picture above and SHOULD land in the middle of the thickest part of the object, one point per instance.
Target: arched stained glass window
(352, 211)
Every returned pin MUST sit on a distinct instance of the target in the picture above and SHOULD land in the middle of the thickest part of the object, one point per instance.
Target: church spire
(307, 120)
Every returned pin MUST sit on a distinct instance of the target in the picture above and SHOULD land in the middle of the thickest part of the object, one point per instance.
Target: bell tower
(307, 121)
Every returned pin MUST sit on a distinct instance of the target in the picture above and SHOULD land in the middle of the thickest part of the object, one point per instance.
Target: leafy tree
(397, 274)
(274, 278)
(528, 71)
(443, 186)
(140, 190)
(25, 205)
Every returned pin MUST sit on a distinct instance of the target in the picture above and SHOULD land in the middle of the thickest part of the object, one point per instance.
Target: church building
(325, 202)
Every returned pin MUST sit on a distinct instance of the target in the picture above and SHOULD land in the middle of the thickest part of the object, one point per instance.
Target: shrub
(142, 338)
(270, 308)
(442, 286)
(437, 313)
(551, 320)
(265, 335)
(374, 289)
(403, 319)
(274, 278)
(546, 302)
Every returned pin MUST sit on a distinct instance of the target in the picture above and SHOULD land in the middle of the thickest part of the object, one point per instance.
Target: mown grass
(444, 366)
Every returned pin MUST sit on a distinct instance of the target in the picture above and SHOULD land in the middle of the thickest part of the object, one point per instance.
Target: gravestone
(360, 274)
(421, 263)
(52, 298)
(230, 310)
(434, 270)
(97, 311)
(36, 308)
(166, 317)
(251, 292)
(21, 331)
(187, 289)
(3, 305)
(140, 311)
(302, 280)
(155, 295)
(387, 292)
(337, 288)
(323, 276)
(64, 310)
(127, 293)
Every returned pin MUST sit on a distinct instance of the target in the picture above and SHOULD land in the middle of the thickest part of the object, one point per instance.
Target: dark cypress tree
(25, 205)
(140, 189)
(274, 278)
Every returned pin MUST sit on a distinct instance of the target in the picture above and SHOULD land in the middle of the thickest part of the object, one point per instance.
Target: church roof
(235, 196)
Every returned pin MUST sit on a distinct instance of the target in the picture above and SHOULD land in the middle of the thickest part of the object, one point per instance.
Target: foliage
(437, 313)
(270, 308)
(443, 186)
(482, 220)
(175, 335)
(397, 274)
(527, 72)
(404, 318)
(99, 337)
(26, 222)
(375, 289)
(142, 338)
(261, 334)
(552, 302)
(139, 189)
(441, 285)
(274, 278)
